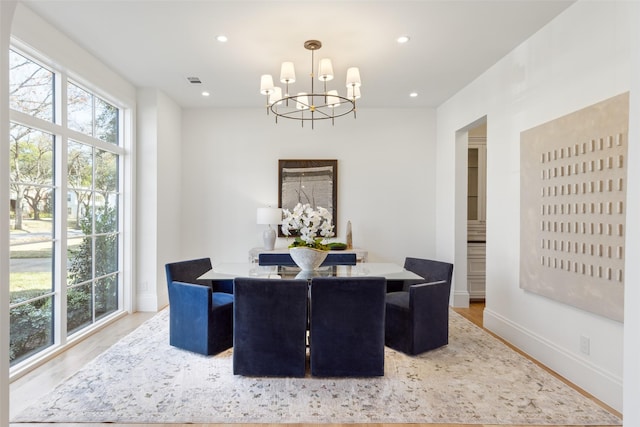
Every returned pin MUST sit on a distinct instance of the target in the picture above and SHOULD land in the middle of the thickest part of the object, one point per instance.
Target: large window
(92, 236)
(66, 208)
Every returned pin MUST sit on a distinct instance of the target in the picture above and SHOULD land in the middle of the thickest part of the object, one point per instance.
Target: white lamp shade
(266, 84)
(325, 70)
(268, 216)
(351, 91)
(353, 77)
(332, 99)
(276, 96)
(287, 73)
(302, 102)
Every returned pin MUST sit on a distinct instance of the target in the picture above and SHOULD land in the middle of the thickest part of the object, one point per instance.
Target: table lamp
(269, 216)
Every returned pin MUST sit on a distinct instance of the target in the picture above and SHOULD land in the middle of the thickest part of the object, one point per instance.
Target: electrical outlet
(585, 343)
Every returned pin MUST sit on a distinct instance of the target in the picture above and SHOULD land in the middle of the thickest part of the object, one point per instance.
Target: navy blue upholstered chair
(200, 320)
(429, 270)
(338, 258)
(417, 318)
(270, 327)
(284, 259)
(347, 326)
(276, 259)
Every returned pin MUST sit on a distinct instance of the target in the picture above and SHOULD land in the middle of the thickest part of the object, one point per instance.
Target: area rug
(476, 379)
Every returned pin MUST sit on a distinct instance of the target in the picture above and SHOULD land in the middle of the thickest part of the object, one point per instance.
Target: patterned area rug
(475, 379)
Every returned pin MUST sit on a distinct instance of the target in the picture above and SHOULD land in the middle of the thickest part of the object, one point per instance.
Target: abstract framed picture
(308, 181)
(573, 207)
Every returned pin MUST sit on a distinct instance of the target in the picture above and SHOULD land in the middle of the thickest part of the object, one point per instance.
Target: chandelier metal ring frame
(317, 106)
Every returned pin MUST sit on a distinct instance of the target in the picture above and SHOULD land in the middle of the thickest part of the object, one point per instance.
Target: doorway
(476, 211)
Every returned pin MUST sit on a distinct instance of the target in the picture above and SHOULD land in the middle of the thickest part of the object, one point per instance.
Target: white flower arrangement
(312, 226)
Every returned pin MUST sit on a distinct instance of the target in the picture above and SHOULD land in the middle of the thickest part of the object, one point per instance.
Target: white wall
(158, 195)
(386, 178)
(580, 58)
(632, 267)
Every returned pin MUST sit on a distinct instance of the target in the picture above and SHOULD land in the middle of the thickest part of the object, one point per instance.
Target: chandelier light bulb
(325, 70)
(332, 99)
(266, 84)
(276, 96)
(353, 77)
(353, 92)
(287, 73)
(302, 101)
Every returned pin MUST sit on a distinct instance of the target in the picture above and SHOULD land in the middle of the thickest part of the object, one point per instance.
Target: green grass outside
(24, 281)
(40, 253)
(30, 281)
(33, 226)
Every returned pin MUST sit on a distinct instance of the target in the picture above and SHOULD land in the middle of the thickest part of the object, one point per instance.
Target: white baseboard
(589, 377)
(460, 299)
(147, 302)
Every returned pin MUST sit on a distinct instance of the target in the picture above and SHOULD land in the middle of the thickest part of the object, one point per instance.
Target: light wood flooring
(34, 385)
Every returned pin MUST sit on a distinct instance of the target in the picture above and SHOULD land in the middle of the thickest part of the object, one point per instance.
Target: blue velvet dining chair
(284, 259)
(270, 327)
(417, 317)
(337, 258)
(200, 320)
(347, 326)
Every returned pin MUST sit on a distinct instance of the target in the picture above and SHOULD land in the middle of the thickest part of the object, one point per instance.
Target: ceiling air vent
(194, 80)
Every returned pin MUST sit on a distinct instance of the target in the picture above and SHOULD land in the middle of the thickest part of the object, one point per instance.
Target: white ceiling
(155, 43)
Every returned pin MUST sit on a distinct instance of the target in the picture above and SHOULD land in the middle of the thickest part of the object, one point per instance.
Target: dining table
(231, 270)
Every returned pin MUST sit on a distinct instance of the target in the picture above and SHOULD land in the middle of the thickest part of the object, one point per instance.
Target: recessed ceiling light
(222, 38)
(402, 39)
(205, 93)
(413, 94)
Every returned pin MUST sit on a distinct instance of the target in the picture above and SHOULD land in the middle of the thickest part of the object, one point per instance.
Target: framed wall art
(573, 207)
(308, 181)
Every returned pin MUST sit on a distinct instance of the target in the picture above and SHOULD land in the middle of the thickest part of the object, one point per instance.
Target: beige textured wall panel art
(573, 207)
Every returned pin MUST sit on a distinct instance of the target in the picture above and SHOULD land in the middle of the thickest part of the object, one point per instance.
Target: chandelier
(311, 106)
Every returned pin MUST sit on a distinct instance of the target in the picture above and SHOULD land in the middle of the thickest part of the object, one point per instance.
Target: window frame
(122, 149)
